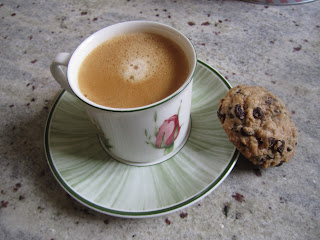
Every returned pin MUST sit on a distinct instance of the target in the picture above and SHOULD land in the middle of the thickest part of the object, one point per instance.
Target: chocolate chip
(221, 116)
(235, 127)
(277, 111)
(258, 113)
(281, 147)
(269, 157)
(260, 159)
(280, 164)
(239, 111)
(271, 141)
(289, 149)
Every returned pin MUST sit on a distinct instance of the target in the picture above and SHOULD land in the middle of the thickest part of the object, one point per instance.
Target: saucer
(95, 179)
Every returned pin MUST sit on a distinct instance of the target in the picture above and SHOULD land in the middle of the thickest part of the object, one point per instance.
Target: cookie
(259, 125)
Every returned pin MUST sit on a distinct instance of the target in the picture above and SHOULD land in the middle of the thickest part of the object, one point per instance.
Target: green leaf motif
(155, 116)
(156, 131)
(146, 132)
(169, 149)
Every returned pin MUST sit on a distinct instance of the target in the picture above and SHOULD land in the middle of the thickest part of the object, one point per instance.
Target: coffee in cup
(133, 70)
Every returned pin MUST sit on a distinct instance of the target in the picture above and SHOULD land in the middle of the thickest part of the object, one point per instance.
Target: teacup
(142, 135)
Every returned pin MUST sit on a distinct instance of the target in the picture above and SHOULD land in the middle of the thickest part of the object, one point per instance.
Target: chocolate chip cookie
(259, 125)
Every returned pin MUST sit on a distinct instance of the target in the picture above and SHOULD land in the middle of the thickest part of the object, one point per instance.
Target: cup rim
(166, 99)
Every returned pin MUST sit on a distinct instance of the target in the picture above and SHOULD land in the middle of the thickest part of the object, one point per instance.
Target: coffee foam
(135, 70)
(140, 60)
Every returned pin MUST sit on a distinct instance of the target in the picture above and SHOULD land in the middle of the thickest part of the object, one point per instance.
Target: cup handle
(61, 60)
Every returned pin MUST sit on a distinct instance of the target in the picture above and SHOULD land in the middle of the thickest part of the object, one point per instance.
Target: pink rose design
(165, 135)
(168, 132)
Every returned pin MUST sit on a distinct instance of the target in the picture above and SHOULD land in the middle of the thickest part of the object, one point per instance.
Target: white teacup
(137, 136)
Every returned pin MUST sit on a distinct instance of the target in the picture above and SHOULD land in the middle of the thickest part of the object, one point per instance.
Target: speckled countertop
(277, 47)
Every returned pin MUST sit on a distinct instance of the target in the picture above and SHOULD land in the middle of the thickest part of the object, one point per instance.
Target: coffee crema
(133, 70)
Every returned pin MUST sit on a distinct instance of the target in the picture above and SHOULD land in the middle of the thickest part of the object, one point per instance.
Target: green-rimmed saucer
(92, 177)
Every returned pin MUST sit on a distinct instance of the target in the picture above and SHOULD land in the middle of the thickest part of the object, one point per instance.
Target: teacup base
(143, 164)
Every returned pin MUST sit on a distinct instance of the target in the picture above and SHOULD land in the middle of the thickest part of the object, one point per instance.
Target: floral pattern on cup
(166, 134)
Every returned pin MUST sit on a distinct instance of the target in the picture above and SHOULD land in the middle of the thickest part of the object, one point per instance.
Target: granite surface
(277, 47)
